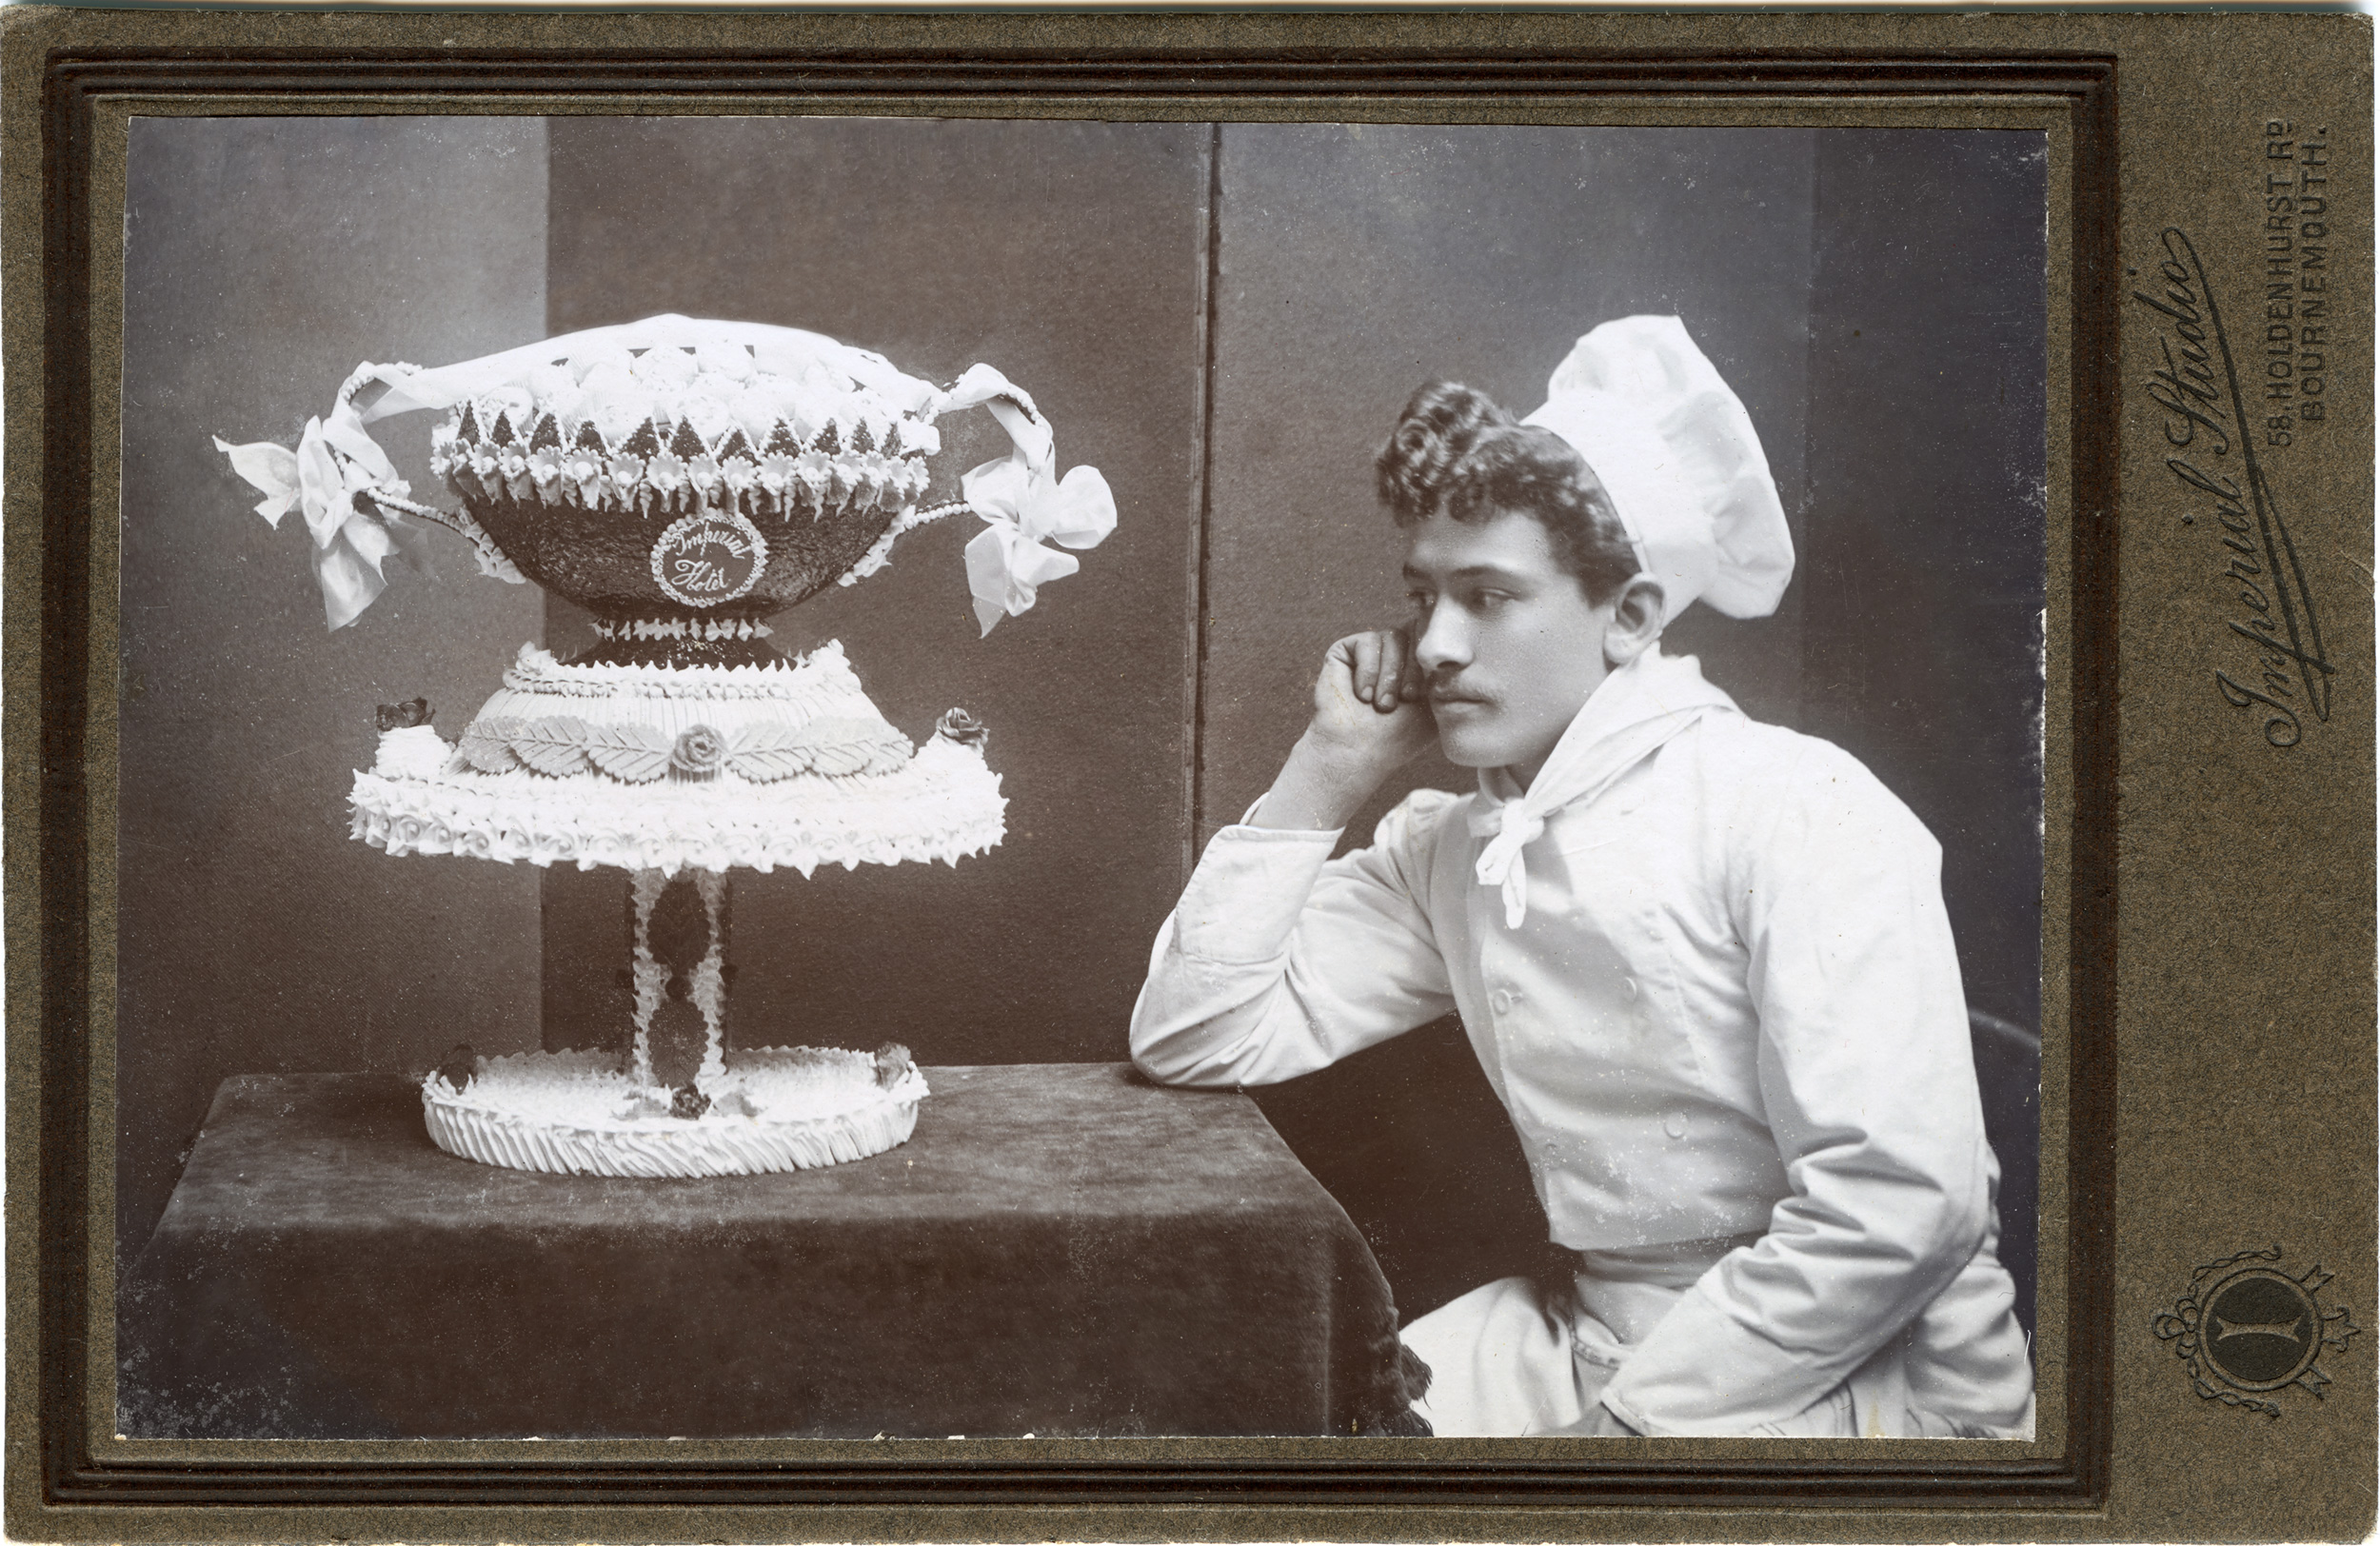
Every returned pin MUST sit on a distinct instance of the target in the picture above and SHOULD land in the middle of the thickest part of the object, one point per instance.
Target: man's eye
(1488, 600)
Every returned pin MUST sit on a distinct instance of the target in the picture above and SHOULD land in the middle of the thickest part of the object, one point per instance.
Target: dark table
(1061, 1249)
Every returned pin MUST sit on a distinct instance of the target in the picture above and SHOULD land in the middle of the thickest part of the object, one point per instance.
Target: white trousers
(1508, 1359)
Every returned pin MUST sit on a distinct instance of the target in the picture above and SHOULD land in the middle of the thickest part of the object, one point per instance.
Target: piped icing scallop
(669, 429)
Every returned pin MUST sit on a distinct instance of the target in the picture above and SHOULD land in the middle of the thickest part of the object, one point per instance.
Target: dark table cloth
(1061, 1249)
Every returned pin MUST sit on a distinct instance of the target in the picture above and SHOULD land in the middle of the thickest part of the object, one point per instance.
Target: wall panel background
(264, 258)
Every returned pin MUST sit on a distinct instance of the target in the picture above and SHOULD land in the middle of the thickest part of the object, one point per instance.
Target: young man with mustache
(1703, 960)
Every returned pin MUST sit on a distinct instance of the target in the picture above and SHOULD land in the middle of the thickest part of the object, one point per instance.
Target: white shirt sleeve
(1279, 960)
(1868, 1076)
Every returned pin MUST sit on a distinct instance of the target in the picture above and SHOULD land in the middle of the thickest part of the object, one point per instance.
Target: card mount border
(73, 82)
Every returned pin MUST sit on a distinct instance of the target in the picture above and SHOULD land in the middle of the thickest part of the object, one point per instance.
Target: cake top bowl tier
(660, 489)
(678, 470)
(625, 567)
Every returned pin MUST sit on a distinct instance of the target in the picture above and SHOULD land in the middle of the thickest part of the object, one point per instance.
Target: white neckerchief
(1635, 711)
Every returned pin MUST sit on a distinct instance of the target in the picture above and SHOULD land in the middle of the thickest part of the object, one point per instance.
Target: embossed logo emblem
(710, 557)
(2247, 1329)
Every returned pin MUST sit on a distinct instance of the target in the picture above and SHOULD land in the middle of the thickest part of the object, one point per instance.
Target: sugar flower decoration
(699, 752)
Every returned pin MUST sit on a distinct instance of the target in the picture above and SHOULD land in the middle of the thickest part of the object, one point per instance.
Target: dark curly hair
(1453, 450)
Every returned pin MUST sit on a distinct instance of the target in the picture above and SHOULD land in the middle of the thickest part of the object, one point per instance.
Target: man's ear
(1637, 619)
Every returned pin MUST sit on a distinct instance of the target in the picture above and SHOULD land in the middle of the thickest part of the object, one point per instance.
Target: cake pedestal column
(678, 970)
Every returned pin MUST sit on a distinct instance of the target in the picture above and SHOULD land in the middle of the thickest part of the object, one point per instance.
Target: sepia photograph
(1410, 776)
(877, 777)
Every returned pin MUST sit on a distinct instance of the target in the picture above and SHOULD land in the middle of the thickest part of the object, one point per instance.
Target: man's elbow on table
(1172, 1050)
(1162, 1070)
(1167, 1064)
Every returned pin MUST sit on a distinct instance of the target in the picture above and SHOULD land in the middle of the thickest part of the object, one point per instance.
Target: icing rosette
(411, 752)
(699, 752)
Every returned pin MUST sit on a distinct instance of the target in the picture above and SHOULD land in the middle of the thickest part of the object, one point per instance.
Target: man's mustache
(1454, 692)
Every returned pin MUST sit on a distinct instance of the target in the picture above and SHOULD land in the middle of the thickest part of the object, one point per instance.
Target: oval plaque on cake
(710, 557)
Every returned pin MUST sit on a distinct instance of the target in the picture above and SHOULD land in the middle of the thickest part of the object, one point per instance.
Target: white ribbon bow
(335, 461)
(1509, 828)
(1021, 504)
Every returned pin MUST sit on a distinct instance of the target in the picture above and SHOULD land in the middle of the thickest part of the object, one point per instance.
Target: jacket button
(1628, 986)
(1674, 1124)
(1501, 1002)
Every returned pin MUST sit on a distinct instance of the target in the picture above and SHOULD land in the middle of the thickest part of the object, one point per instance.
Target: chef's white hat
(1676, 452)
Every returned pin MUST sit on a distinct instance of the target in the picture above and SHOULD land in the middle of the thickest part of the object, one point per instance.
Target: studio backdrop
(1225, 322)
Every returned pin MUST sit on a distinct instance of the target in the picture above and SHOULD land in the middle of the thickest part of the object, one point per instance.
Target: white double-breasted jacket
(1733, 1008)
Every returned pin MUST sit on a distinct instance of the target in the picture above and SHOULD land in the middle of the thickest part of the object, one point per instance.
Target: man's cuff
(1247, 820)
(1702, 1372)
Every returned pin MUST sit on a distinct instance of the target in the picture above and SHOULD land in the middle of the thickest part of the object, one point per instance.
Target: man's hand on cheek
(1371, 702)
(1370, 717)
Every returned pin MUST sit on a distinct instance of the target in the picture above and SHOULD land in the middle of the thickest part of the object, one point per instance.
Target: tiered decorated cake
(682, 480)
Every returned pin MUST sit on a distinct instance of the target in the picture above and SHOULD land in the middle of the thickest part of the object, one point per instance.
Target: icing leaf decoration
(556, 747)
(834, 746)
(632, 753)
(765, 753)
(842, 746)
(848, 759)
(487, 744)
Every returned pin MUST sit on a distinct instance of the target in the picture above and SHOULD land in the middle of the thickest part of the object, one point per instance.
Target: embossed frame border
(73, 77)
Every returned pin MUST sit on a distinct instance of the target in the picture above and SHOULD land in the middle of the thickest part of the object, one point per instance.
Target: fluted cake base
(576, 1113)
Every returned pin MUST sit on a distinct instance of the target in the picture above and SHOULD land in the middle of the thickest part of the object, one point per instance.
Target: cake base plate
(575, 1113)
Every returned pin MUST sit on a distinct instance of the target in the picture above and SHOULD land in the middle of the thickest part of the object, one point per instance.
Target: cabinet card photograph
(876, 776)
(785, 918)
